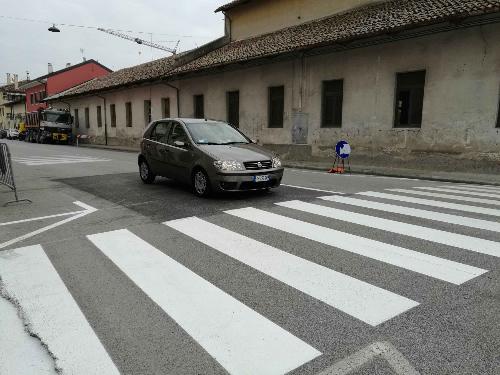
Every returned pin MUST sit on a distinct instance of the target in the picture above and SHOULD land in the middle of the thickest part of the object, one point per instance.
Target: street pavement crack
(28, 327)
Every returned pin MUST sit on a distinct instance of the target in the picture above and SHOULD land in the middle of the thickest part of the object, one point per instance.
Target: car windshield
(215, 133)
(63, 118)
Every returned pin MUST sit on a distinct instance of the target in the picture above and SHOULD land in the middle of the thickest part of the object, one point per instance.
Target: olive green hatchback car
(211, 156)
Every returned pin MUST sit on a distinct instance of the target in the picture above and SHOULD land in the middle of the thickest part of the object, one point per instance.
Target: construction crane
(140, 41)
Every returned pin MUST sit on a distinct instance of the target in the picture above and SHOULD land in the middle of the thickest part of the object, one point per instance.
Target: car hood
(238, 152)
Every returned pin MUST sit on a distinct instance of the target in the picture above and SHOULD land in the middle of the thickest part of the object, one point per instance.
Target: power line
(95, 27)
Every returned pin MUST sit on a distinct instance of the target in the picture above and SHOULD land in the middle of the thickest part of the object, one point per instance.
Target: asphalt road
(149, 279)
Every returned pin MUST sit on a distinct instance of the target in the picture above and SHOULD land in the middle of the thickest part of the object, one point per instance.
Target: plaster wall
(262, 16)
(121, 134)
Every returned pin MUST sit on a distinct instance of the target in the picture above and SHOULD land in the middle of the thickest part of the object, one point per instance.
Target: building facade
(56, 81)
(403, 81)
(12, 104)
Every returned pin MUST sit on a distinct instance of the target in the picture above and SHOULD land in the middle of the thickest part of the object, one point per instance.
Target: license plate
(263, 178)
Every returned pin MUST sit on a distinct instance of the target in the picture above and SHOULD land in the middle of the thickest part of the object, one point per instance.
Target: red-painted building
(37, 89)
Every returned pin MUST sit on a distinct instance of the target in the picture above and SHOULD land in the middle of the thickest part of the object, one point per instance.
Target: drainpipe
(105, 120)
(178, 103)
(228, 32)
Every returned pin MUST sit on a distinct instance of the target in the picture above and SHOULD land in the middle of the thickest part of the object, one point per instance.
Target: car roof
(188, 120)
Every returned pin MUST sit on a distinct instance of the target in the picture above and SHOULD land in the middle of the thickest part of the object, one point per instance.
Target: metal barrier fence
(6, 173)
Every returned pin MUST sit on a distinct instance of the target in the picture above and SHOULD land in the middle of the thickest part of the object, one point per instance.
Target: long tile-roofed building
(363, 22)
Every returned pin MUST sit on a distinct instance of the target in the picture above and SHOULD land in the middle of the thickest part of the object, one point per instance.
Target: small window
(160, 132)
(233, 108)
(77, 119)
(112, 113)
(331, 109)
(199, 110)
(177, 134)
(99, 117)
(32, 99)
(276, 106)
(165, 107)
(409, 99)
(87, 118)
(147, 112)
(128, 114)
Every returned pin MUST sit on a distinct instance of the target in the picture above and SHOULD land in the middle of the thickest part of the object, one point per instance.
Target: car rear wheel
(147, 176)
(201, 183)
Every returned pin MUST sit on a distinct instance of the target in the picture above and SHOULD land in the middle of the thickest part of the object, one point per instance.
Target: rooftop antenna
(82, 51)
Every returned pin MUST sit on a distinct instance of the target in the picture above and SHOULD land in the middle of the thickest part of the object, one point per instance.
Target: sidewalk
(463, 177)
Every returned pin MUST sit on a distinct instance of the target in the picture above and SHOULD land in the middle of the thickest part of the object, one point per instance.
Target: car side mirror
(180, 144)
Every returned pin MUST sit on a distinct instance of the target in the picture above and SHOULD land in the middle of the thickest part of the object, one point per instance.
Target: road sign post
(342, 153)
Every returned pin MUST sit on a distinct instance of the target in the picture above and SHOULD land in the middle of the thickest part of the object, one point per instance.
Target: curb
(110, 148)
(414, 176)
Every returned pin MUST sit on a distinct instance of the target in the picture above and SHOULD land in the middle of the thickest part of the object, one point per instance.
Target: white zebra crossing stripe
(478, 187)
(240, 339)
(56, 159)
(477, 245)
(473, 188)
(467, 192)
(50, 312)
(416, 212)
(359, 299)
(447, 196)
(425, 264)
(433, 203)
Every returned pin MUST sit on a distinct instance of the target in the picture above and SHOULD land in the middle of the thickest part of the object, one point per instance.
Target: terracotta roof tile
(361, 22)
(231, 5)
(134, 74)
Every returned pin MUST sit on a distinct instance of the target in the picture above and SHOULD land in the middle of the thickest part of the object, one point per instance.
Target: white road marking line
(433, 203)
(51, 313)
(88, 210)
(366, 302)
(479, 187)
(447, 196)
(54, 157)
(461, 241)
(425, 264)
(64, 162)
(455, 191)
(57, 159)
(312, 189)
(399, 364)
(240, 339)
(416, 212)
(40, 218)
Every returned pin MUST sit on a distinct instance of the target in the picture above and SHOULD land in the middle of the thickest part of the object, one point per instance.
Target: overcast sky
(28, 46)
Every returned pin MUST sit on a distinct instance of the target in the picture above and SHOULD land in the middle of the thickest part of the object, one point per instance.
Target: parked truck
(49, 126)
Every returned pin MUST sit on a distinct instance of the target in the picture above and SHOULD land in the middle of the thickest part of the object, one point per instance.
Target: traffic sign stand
(342, 153)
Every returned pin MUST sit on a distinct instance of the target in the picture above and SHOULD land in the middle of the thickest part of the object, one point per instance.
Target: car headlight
(276, 162)
(229, 165)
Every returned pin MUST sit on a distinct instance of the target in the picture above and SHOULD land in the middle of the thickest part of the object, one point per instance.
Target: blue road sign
(343, 149)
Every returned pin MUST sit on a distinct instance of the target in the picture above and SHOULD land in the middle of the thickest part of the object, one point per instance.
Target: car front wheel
(147, 175)
(201, 183)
